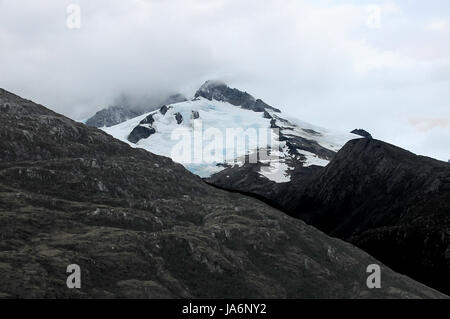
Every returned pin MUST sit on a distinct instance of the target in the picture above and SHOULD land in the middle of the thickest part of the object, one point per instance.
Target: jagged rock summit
(219, 91)
(362, 133)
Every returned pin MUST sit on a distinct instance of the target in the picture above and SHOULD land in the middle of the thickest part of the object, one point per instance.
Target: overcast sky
(380, 65)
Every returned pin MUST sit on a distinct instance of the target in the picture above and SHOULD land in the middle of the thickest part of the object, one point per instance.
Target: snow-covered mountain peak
(222, 128)
(197, 133)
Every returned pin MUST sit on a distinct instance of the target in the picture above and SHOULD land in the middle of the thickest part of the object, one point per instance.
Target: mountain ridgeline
(219, 91)
(381, 198)
(141, 226)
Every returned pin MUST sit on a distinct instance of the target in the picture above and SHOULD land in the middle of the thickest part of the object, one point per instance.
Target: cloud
(437, 25)
(316, 60)
(430, 123)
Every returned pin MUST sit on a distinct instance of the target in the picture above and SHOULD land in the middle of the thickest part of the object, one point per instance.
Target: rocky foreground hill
(141, 226)
(389, 202)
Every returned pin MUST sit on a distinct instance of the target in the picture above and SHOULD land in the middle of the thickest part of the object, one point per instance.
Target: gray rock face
(140, 132)
(215, 90)
(148, 120)
(389, 202)
(195, 115)
(117, 114)
(143, 130)
(362, 133)
(112, 115)
(141, 226)
(179, 118)
(163, 110)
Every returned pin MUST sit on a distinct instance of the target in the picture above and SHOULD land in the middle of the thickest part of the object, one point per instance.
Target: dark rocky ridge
(247, 180)
(141, 226)
(389, 202)
(215, 90)
(362, 133)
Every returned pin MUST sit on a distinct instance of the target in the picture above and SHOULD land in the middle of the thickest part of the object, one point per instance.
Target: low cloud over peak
(342, 66)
